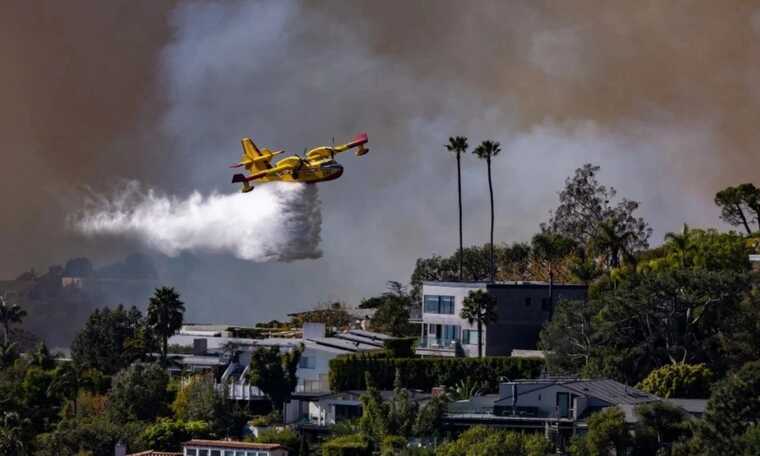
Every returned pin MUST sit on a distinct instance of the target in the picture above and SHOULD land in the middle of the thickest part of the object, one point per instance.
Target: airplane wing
(324, 152)
(253, 159)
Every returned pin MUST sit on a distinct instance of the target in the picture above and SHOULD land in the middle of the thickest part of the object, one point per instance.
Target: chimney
(120, 450)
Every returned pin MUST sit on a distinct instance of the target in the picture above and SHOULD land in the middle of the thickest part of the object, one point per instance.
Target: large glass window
(190, 452)
(439, 304)
(216, 452)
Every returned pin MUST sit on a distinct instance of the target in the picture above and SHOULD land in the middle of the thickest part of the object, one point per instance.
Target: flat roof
(234, 444)
(515, 284)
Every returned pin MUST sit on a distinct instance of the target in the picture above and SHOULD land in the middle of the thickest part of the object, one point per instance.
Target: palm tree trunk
(490, 190)
(480, 338)
(459, 191)
(164, 349)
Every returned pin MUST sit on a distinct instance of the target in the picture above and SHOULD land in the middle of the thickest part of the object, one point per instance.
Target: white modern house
(522, 309)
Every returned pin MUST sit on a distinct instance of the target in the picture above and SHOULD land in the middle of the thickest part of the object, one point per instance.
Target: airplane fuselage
(306, 171)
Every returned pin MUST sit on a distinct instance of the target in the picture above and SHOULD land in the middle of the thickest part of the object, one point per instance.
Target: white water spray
(274, 222)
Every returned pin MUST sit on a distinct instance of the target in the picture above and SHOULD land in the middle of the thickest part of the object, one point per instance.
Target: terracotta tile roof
(234, 444)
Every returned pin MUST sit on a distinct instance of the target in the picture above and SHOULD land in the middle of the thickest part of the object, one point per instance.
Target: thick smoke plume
(275, 222)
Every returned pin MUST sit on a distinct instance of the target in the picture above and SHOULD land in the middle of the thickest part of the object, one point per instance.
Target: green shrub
(346, 445)
(679, 380)
(348, 372)
(400, 348)
(392, 445)
(286, 437)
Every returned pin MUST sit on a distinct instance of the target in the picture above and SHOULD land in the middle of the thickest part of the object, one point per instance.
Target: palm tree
(458, 145)
(165, 312)
(680, 243)
(479, 307)
(549, 249)
(487, 150)
(613, 242)
(10, 313)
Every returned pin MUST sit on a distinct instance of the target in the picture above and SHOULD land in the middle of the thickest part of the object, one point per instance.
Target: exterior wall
(315, 377)
(521, 315)
(459, 293)
(220, 451)
(545, 399)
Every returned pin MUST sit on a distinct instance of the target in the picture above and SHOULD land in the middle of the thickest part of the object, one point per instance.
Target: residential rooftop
(501, 284)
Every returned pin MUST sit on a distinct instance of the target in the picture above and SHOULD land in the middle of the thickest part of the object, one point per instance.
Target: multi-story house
(522, 309)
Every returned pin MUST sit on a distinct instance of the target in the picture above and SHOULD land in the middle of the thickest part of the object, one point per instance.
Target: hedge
(402, 347)
(346, 445)
(348, 372)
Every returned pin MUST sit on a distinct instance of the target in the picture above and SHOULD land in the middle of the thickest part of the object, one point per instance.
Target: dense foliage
(274, 373)
(481, 440)
(347, 372)
(679, 380)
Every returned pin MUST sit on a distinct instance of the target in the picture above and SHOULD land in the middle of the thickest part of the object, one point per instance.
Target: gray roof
(475, 405)
(606, 390)
(348, 345)
(694, 407)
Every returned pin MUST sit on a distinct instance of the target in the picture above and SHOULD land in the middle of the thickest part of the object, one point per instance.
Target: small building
(522, 309)
(232, 448)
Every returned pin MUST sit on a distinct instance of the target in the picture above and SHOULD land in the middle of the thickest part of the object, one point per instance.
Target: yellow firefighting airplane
(317, 165)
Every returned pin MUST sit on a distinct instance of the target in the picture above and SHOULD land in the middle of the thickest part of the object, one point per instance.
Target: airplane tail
(240, 178)
(253, 159)
(360, 141)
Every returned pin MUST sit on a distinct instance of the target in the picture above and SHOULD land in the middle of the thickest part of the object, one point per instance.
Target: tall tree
(458, 145)
(740, 205)
(487, 150)
(584, 204)
(111, 340)
(165, 312)
(479, 307)
(10, 314)
(139, 393)
(733, 407)
(274, 373)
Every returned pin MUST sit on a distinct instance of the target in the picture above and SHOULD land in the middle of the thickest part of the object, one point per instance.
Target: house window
(240, 453)
(528, 302)
(438, 304)
(347, 412)
(216, 452)
(470, 337)
(229, 453)
(202, 452)
(190, 452)
(546, 305)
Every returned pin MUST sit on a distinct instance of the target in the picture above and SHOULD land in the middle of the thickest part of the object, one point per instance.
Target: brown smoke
(77, 84)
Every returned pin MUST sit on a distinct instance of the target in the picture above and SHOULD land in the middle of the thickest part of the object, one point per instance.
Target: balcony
(431, 346)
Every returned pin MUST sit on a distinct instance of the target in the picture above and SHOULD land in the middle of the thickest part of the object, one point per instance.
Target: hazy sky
(665, 96)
